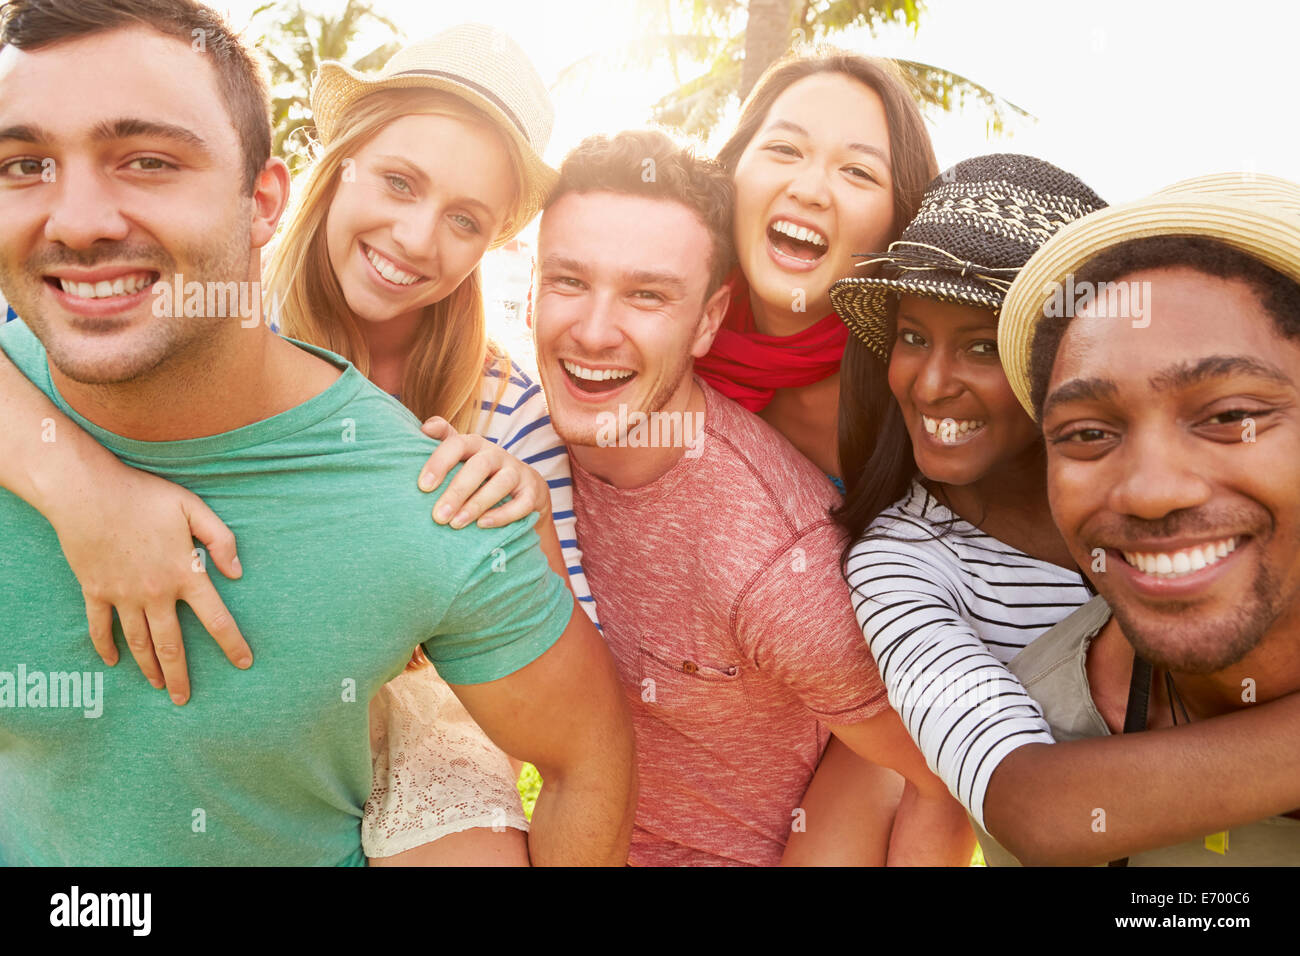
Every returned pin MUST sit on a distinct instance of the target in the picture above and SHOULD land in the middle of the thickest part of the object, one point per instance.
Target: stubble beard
(1189, 644)
(162, 341)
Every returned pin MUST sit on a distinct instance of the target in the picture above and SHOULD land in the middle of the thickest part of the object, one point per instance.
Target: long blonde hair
(451, 350)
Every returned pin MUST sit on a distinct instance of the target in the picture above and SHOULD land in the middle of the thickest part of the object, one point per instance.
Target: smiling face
(111, 179)
(414, 213)
(813, 188)
(1176, 448)
(964, 421)
(620, 323)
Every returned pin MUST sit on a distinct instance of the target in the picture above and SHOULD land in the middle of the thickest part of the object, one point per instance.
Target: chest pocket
(693, 693)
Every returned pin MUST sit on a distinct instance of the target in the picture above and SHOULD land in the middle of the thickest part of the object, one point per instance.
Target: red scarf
(748, 367)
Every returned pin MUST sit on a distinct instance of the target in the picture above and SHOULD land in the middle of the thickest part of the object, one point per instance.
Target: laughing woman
(421, 169)
(829, 160)
(956, 563)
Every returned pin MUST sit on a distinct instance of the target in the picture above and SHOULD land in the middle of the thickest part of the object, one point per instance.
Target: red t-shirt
(722, 600)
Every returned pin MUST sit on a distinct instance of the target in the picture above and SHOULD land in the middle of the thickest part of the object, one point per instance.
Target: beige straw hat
(477, 63)
(1256, 214)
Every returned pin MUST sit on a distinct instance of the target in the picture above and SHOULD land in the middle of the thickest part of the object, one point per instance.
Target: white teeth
(949, 430)
(802, 233)
(595, 374)
(1177, 563)
(389, 271)
(125, 285)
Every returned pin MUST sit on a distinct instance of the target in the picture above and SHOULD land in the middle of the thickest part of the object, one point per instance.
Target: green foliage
(818, 20)
(937, 88)
(294, 41)
(712, 34)
(529, 786)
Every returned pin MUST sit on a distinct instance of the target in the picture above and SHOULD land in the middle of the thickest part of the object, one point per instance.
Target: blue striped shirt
(521, 424)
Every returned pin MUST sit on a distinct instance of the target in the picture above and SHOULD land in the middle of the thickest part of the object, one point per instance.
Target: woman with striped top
(420, 170)
(955, 563)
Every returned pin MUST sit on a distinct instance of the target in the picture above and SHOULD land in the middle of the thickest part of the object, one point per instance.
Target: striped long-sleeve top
(522, 426)
(944, 607)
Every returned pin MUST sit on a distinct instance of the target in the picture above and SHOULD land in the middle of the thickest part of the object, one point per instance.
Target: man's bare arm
(566, 714)
(1157, 788)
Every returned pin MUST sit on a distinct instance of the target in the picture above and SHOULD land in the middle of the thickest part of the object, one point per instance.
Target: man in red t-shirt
(706, 536)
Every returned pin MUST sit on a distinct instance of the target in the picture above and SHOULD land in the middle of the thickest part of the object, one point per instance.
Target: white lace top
(435, 772)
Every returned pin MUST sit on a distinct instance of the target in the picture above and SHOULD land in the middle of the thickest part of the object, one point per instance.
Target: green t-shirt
(345, 572)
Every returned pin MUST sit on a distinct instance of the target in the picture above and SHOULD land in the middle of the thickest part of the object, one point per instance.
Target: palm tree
(295, 41)
(736, 40)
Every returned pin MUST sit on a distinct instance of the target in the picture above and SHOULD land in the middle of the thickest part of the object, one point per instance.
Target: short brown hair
(32, 24)
(911, 156)
(648, 163)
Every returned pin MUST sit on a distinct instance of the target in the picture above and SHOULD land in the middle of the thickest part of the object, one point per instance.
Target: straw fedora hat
(477, 63)
(1256, 214)
(977, 225)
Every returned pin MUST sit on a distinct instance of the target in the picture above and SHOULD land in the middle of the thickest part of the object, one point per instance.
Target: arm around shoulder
(141, 560)
(1157, 788)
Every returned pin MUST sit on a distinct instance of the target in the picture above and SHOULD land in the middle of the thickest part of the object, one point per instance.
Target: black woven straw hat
(978, 224)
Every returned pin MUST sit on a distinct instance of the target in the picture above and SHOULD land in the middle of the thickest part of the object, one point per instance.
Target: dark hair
(33, 24)
(874, 445)
(648, 163)
(1279, 294)
(911, 156)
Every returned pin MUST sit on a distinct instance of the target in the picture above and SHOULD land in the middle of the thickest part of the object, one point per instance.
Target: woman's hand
(488, 468)
(129, 541)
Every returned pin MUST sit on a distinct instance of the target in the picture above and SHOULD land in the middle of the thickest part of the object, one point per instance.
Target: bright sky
(1131, 95)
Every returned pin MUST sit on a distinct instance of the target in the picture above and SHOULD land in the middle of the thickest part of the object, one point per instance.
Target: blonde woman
(419, 171)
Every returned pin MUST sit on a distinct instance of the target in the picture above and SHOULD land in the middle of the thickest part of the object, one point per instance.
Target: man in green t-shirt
(111, 178)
